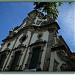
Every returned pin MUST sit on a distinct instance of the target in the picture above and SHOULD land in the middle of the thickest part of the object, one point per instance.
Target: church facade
(36, 46)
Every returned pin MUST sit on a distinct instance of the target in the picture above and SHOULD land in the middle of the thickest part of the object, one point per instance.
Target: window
(35, 57)
(2, 60)
(23, 38)
(15, 60)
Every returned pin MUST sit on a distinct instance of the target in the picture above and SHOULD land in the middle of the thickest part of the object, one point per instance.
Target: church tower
(35, 46)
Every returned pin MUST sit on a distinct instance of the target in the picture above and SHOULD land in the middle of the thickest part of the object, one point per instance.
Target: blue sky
(13, 13)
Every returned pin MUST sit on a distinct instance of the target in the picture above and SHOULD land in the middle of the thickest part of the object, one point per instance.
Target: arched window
(23, 38)
(2, 60)
(15, 60)
(35, 57)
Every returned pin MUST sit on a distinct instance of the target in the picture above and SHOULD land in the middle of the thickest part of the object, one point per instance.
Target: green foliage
(49, 7)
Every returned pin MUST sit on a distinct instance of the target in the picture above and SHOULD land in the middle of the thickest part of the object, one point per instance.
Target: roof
(65, 45)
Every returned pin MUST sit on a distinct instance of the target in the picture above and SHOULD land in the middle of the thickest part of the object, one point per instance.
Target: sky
(12, 14)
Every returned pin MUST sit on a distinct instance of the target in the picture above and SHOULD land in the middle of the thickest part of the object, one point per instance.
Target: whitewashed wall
(11, 44)
(34, 38)
(45, 36)
(10, 58)
(43, 56)
(28, 38)
(18, 42)
(25, 42)
(26, 58)
(22, 57)
(5, 46)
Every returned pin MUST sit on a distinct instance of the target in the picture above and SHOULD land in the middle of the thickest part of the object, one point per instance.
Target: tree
(48, 7)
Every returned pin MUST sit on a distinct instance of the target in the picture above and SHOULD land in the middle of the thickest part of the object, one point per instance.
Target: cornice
(34, 28)
(7, 50)
(37, 43)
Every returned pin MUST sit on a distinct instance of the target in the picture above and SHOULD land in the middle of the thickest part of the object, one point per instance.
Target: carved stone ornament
(39, 35)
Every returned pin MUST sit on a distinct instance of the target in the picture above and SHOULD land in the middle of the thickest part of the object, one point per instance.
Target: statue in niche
(39, 35)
